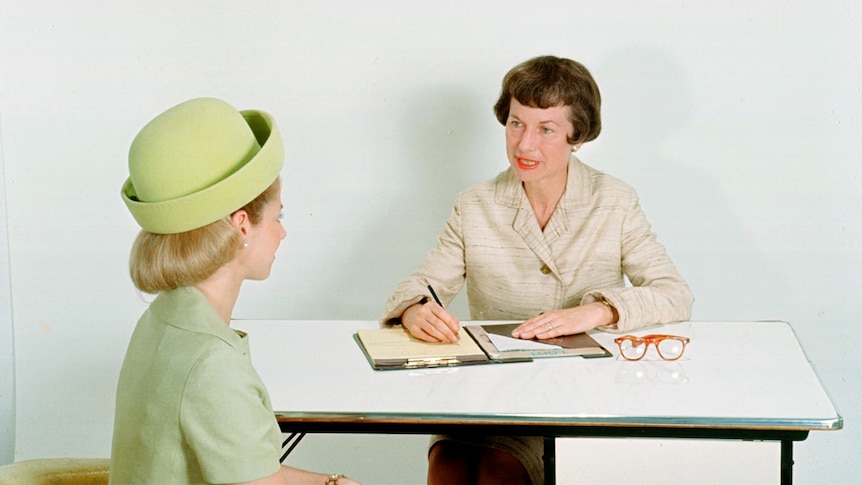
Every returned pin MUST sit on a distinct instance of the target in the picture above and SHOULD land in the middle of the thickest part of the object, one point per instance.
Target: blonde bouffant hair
(162, 262)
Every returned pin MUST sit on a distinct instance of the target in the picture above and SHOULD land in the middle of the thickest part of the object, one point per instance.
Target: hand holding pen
(429, 321)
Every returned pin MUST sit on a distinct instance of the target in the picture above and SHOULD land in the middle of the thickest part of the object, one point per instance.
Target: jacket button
(545, 269)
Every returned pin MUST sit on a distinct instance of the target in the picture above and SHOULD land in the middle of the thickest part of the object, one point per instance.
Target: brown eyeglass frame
(651, 339)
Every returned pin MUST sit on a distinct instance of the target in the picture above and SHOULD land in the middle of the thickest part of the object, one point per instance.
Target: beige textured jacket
(597, 235)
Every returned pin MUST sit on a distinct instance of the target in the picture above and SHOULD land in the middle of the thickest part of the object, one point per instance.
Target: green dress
(190, 407)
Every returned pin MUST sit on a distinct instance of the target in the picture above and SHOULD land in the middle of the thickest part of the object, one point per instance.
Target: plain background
(737, 121)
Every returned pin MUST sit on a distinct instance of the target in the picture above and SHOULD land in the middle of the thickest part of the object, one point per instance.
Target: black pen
(434, 294)
(437, 300)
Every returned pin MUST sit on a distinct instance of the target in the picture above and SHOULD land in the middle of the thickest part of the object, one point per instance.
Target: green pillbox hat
(198, 162)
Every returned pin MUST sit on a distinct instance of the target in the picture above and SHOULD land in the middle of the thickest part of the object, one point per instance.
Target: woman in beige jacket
(550, 240)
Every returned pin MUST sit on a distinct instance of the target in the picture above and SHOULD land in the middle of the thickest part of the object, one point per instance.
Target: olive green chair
(56, 471)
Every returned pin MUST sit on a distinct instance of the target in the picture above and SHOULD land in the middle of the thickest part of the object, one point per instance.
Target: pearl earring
(574, 148)
(244, 245)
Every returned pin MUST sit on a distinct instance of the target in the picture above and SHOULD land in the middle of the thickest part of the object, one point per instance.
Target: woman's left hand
(567, 321)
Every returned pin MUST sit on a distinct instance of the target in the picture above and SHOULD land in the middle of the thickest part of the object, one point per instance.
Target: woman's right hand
(430, 322)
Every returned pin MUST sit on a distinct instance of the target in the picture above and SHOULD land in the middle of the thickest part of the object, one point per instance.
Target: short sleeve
(227, 420)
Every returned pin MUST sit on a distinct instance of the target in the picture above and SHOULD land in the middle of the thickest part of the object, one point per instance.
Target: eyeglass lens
(633, 349)
(670, 348)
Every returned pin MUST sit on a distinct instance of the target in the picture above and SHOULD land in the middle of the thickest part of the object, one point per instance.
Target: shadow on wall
(434, 165)
(647, 107)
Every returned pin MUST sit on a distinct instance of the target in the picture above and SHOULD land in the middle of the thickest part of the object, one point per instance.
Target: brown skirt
(527, 449)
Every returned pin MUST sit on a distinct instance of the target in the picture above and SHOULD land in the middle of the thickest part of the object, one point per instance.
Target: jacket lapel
(578, 189)
(527, 227)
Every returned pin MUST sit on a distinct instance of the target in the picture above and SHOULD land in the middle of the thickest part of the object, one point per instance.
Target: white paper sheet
(510, 343)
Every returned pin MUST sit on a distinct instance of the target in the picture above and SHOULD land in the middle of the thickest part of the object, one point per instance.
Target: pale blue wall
(7, 354)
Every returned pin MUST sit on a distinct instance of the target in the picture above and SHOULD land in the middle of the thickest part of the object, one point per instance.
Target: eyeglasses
(669, 347)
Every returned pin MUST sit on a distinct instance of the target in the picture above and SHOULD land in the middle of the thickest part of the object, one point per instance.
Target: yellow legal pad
(395, 348)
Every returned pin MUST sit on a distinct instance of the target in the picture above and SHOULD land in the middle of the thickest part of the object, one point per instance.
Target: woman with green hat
(190, 407)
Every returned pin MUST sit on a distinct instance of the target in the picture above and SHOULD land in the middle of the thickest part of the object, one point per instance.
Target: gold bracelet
(333, 479)
(615, 316)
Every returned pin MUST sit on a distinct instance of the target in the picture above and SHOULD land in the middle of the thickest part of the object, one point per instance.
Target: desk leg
(550, 460)
(786, 462)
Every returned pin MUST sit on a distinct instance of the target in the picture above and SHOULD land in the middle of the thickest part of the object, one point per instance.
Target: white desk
(737, 380)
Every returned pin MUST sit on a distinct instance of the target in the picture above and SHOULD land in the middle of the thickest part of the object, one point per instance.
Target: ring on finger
(550, 326)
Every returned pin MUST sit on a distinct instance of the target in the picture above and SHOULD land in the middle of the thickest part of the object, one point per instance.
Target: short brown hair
(548, 81)
(162, 262)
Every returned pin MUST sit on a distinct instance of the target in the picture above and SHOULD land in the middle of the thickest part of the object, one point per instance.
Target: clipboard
(395, 348)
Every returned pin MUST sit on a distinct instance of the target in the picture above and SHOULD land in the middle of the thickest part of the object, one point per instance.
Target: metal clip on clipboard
(431, 362)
